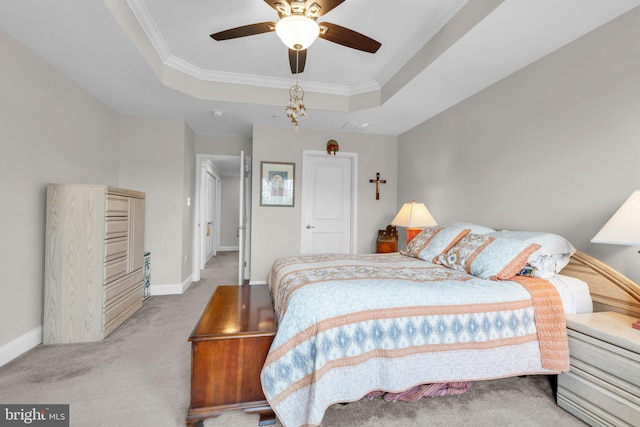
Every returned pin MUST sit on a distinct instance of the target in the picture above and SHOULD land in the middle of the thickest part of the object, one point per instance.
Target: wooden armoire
(94, 257)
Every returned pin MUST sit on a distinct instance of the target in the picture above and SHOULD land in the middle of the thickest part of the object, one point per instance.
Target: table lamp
(623, 228)
(414, 216)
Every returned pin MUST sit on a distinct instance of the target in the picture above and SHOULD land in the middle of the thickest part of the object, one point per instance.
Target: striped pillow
(488, 257)
(434, 241)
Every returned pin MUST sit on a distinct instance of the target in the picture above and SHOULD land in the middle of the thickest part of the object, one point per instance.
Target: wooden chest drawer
(116, 227)
(94, 238)
(595, 401)
(117, 206)
(602, 387)
(120, 310)
(114, 269)
(115, 248)
(605, 361)
(117, 288)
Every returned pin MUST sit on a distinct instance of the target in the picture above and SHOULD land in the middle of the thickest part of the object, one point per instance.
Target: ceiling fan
(298, 28)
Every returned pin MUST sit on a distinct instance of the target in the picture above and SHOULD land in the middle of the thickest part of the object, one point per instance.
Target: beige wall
(276, 230)
(51, 130)
(154, 160)
(554, 147)
(54, 131)
(223, 145)
(188, 202)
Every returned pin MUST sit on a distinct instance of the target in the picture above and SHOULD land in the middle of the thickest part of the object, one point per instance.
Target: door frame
(204, 171)
(244, 230)
(353, 157)
(197, 240)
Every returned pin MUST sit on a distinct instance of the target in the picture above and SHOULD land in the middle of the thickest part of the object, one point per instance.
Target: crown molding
(142, 14)
(428, 31)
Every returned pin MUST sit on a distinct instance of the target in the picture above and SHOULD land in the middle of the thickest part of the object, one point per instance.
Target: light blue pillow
(553, 255)
(488, 257)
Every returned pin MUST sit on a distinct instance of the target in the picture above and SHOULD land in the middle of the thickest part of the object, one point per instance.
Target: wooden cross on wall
(378, 181)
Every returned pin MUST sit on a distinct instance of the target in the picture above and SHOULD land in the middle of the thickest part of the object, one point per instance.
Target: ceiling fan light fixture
(297, 32)
(314, 9)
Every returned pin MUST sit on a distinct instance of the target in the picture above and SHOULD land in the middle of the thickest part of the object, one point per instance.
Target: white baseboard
(228, 249)
(155, 290)
(171, 289)
(20, 345)
(187, 282)
(257, 282)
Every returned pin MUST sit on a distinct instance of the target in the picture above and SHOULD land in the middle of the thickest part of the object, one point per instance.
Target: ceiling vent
(352, 125)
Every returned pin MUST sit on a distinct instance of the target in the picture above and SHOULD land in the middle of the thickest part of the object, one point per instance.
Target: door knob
(310, 226)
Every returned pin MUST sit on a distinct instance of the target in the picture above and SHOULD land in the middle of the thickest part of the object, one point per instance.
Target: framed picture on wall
(276, 183)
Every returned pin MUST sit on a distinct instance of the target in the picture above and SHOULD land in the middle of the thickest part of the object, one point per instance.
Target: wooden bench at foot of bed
(228, 348)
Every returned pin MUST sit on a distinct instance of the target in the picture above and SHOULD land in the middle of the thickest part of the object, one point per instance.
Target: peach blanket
(550, 322)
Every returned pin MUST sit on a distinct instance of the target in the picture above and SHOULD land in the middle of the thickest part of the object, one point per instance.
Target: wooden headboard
(610, 290)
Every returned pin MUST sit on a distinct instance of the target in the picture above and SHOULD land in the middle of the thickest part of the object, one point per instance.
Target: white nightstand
(603, 385)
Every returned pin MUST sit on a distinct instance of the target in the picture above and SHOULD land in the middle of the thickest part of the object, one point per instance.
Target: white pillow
(475, 228)
(553, 255)
(574, 293)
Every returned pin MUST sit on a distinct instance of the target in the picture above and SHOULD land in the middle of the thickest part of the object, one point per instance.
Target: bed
(460, 304)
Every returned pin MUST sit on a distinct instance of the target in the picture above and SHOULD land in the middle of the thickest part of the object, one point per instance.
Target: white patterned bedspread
(349, 325)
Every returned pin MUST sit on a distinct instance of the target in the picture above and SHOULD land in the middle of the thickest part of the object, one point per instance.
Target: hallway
(222, 268)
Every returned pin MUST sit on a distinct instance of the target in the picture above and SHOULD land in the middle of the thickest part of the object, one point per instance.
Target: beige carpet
(139, 376)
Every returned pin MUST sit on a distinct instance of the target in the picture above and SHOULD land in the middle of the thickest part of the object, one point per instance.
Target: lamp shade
(624, 226)
(414, 215)
(297, 31)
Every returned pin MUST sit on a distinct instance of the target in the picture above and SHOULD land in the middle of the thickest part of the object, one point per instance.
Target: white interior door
(328, 202)
(210, 236)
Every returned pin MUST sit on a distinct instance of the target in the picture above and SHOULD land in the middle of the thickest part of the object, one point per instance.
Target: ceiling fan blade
(346, 37)
(297, 59)
(325, 5)
(245, 30)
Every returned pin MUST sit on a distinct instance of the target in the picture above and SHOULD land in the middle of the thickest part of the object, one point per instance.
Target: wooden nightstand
(603, 385)
(387, 240)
